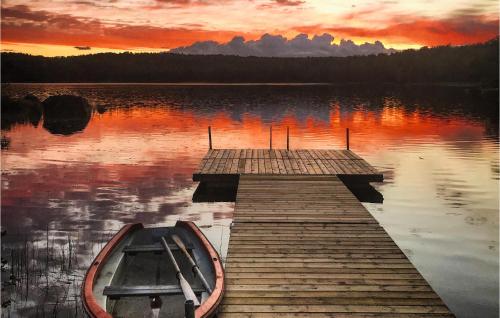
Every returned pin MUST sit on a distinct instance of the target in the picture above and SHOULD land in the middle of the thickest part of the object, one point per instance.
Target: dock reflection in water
(63, 196)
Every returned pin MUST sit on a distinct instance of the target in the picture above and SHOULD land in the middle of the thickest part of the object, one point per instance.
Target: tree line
(478, 64)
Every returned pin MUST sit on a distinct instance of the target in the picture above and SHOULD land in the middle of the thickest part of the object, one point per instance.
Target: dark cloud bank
(279, 46)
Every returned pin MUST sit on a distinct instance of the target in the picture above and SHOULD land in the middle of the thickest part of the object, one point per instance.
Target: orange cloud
(291, 3)
(159, 4)
(457, 30)
(21, 25)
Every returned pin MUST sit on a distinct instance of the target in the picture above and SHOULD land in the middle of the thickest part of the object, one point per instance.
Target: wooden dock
(302, 245)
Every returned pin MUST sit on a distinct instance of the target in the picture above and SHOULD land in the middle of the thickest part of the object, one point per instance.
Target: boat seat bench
(152, 248)
(147, 290)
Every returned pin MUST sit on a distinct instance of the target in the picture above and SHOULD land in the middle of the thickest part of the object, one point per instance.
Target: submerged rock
(20, 111)
(101, 109)
(66, 114)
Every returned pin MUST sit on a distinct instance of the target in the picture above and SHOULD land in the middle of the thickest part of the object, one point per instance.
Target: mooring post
(287, 138)
(347, 137)
(209, 137)
(271, 137)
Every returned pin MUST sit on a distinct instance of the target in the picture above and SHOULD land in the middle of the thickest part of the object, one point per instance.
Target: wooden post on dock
(347, 137)
(271, 137)
(209, 137)
(287, 138)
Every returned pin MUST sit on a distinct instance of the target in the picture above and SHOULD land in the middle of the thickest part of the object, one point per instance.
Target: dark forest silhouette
(477, 64)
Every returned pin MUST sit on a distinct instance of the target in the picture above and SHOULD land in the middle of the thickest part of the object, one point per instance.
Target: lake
(64, 193)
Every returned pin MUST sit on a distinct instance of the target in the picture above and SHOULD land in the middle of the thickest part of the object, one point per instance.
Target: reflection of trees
(273, 102)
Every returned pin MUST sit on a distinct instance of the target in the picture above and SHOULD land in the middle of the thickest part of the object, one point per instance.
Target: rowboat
(155, 272)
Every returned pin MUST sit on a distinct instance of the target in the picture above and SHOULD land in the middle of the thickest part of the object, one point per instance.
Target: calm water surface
(64, 194)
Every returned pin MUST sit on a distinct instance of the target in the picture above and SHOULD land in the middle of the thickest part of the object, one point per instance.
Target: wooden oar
(195, 267)
(186, 288)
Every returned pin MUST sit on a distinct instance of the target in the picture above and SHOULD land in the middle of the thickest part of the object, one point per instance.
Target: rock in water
(20, 111)
(66, 114)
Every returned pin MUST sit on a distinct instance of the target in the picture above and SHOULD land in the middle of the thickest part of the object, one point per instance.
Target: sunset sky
(71, 27)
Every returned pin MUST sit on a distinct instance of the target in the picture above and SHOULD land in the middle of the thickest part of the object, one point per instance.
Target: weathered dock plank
(304, 246)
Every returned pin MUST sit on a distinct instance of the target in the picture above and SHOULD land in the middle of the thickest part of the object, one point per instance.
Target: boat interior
(139, 279)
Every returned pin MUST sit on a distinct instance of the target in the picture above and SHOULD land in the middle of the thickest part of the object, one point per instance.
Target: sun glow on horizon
(64, 50)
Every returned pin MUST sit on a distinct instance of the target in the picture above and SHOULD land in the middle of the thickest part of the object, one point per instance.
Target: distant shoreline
(465, 66)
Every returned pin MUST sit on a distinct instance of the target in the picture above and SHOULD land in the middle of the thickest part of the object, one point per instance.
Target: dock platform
(302, 245)
(222, 164)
